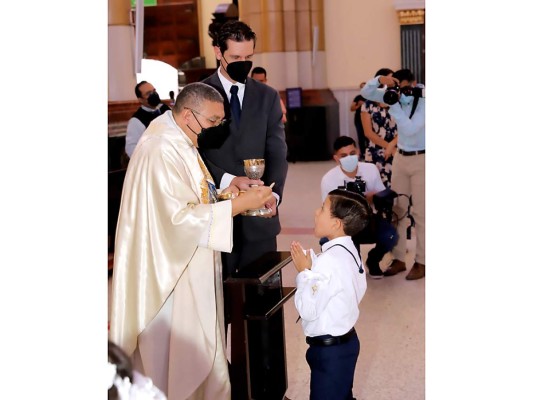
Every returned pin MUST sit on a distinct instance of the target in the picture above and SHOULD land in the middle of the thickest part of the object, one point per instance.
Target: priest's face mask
(215, 134)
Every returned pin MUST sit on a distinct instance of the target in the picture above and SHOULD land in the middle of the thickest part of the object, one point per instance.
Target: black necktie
(235, 104)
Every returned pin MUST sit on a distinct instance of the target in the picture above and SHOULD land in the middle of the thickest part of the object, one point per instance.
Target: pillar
(121, 52)
(287, 33)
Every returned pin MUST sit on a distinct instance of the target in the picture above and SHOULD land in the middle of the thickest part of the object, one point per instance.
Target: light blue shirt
(411, 132)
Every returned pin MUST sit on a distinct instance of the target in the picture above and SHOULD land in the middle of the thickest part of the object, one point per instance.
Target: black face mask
(154, 99)
(211, 138)
(238, 70)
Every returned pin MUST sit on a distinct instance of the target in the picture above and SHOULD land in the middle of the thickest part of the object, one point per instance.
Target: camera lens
(390, 97)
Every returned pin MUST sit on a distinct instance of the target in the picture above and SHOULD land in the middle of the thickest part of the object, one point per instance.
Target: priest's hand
(244, 183)
(253, 198)
(229, 193)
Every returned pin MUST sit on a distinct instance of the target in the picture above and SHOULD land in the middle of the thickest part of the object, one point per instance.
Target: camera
(358, 186)
(416, 91)
(392, 94)
(383, 202)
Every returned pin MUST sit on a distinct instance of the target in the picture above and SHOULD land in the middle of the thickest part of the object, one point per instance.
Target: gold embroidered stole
(209, 192)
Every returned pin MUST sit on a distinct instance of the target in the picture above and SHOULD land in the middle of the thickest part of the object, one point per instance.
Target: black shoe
(373, 270)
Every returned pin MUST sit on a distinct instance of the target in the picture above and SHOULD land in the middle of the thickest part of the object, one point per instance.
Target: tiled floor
(391, 327)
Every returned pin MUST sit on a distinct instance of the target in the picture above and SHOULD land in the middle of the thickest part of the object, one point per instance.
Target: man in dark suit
(256, 131)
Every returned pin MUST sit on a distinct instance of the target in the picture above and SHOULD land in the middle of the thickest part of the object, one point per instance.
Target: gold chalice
(254, 168)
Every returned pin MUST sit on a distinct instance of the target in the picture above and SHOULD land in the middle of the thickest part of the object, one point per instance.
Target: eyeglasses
(213, 121)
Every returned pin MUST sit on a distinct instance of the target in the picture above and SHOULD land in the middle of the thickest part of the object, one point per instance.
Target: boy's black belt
(328, 340)
(411, 153)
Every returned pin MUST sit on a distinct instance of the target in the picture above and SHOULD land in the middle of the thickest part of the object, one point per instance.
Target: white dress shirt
(328, 295)
(135, 129)
(226, 84)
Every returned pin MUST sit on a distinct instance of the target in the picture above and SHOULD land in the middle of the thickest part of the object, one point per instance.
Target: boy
(329, 290)
(348, 169)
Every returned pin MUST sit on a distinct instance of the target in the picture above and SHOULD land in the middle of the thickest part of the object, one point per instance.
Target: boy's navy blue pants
(332, 369)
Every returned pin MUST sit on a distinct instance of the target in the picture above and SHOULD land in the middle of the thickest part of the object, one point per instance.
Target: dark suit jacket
(261, 134)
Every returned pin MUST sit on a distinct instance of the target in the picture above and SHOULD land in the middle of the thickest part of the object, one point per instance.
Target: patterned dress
(385, 127)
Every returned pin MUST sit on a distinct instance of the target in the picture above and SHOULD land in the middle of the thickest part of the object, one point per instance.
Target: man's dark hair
(237, 31)
(137, 90)
(351, 208)
(404, 75)
(343, 141)
(259, 70)
(383, 72)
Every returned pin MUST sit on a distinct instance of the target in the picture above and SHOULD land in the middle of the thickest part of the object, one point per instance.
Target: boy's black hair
(352, 209)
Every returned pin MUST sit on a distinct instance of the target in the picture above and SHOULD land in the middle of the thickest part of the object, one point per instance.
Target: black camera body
(383, 202)
(358, 186)
(392, 94)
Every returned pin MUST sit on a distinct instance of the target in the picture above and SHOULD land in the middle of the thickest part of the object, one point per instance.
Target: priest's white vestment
(167, 303)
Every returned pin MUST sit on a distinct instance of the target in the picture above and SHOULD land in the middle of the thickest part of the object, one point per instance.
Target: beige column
(272, 22)
(310, 44)
(121, 52)
(266, 19)
(289, 25)
(317, 21)
(318, 51)
(250, 13)
(303, 25)
(286, 32)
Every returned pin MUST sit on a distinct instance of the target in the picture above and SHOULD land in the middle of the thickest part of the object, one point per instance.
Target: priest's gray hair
(193, 96)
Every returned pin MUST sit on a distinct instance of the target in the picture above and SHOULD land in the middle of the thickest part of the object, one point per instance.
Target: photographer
(362, 178)
(408, 107)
